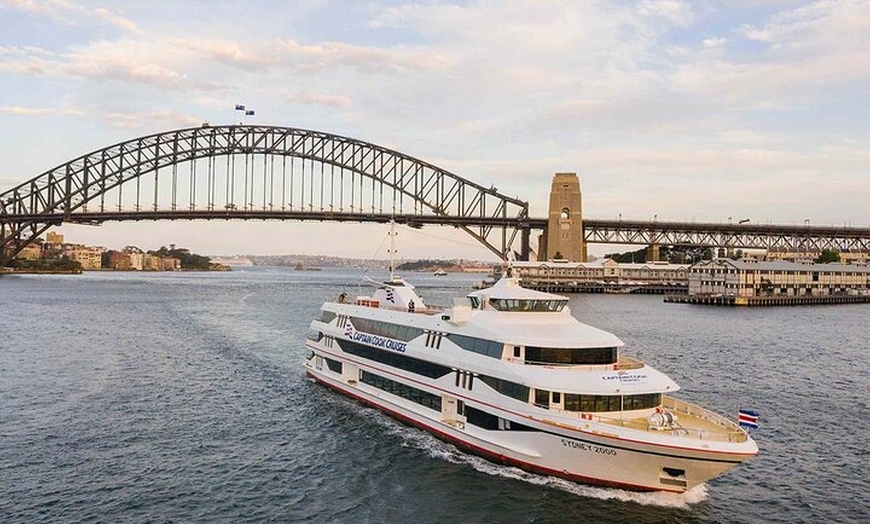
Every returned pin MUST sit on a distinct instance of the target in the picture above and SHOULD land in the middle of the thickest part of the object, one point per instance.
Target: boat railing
(723, 429)
(729, 428)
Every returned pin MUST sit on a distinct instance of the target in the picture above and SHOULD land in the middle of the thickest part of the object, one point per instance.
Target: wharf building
(746, 281)
(603, 276)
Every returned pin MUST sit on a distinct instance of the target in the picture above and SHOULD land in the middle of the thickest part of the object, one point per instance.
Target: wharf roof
(784, 265)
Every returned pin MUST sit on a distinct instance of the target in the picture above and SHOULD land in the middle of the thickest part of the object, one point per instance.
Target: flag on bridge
(747, 418)
(249, 112)
(240, 107)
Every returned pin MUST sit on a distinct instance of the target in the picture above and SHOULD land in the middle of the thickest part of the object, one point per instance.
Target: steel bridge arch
(64, 193)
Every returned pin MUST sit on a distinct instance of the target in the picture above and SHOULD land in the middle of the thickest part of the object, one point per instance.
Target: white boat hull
(573, 454)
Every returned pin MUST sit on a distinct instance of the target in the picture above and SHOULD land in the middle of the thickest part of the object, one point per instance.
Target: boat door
(350, 373)
(453, 411)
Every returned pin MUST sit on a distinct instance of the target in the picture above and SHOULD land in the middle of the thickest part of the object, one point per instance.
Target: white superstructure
(512, 376)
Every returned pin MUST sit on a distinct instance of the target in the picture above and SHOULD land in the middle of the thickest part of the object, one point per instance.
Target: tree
(828, 255)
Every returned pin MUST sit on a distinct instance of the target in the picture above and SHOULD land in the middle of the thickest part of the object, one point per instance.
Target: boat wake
(435, 448)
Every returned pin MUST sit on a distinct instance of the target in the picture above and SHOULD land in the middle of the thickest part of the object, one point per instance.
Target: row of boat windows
(386, 329)
(596, 403)
(506, 387)
(478, 345)
(408, 333)
(542, 398)
(473, 416)
(396, 360)
(429, 369)
(402, 390)
(570, 356)
(534, 355)
(515, 304)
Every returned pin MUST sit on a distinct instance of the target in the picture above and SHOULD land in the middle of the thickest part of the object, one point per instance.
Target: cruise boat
(440, 273)
(512, 376)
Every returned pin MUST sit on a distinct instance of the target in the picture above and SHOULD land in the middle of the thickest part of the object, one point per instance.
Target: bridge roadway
(699, 234)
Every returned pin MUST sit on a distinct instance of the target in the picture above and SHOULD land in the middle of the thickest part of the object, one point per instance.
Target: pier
(731, 300)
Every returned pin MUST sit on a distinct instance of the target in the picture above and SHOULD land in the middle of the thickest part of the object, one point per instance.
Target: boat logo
(374, 340)
(625, 376)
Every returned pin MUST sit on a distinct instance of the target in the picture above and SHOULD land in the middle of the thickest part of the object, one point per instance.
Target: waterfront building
(32, 251)
(602, 271)
(170, 264)
(120, 261)
(89, 257)
(846, 257)
(752, 278)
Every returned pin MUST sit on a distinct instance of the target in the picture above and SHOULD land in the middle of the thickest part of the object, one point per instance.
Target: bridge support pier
(525, 243)
(652, 252)
(564, 234)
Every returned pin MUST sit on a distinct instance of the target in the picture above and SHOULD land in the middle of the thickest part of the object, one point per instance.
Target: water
(181, 398)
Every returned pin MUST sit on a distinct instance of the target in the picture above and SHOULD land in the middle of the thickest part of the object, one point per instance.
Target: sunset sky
(697, 110)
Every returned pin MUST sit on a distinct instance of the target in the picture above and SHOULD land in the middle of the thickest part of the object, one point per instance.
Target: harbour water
(180, 397)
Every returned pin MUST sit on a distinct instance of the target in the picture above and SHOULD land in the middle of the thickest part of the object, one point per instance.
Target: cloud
(38, 111)
(152, 119)
(321, 99)
(65, 12)
(675, 11)
(710, 43)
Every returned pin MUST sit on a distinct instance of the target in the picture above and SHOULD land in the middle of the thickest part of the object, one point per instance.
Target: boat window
(327, 316)
(516, 304)
(506, 387)
(405, 391)
(334, 365)
(569, 356)
(316, 336)
(485, 420)
(542, 398)
(478, 345)
(475, 302)
(651, 400)
(396, 360)
(599, 403)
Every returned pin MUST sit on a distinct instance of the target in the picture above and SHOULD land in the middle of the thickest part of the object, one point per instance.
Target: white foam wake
(435, 448)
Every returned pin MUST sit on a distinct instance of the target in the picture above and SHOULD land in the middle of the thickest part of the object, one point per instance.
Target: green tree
(828, 255)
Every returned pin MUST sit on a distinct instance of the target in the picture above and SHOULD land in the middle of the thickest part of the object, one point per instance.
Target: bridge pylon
(563, 237)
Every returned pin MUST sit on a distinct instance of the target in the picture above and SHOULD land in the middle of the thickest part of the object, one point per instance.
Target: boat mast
(392, 250)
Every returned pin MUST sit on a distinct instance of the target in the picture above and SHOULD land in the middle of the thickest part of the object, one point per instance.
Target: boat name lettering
(583, 446)
(624, 376)
(374, 340)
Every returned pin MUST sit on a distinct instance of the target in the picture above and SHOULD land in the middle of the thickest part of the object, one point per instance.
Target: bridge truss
(247, 172)
(795, 239)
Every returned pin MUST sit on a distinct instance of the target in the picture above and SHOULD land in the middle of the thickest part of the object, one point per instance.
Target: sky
(688, 111)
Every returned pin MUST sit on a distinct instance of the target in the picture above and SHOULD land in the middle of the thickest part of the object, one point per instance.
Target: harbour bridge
(252, 172)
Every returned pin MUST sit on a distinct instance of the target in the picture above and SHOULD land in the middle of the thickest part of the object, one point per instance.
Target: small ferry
(512, 376)
(440, 273)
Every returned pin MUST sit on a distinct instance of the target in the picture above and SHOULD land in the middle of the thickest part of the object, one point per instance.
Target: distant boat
(440, 273)
(232, 261)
